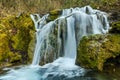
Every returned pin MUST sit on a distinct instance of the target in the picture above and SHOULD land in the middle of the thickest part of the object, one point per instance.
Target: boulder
(94, 50)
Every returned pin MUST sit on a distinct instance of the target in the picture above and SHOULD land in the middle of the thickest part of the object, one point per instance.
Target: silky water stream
(57, 41)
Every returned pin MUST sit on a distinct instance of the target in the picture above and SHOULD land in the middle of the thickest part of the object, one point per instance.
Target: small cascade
(42, 34)
(71, 25)
(70, 42)
(56, 44)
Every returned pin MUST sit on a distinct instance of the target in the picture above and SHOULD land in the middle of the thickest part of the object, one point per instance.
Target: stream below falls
(42, 73)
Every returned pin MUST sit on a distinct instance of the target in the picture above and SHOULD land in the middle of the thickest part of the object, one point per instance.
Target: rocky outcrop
(95, 50)
(14, 39)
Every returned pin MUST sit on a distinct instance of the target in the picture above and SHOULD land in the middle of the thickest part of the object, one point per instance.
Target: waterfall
(70, 43)
(72, 25)
(56, 44)
(42, 32)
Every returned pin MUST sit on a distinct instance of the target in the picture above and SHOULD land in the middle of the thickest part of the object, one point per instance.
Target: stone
(94, 50)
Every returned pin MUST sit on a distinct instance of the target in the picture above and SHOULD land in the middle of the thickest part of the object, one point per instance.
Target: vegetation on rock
(15, 38)
(115, 27)
(54, 14)
(94, 50)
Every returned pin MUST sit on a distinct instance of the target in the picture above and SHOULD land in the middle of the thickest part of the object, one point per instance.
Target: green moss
(21, 39)
(14, 57)
(31, 46)
(15, 37)
(94, 50)
(54, 14)
(115, 27)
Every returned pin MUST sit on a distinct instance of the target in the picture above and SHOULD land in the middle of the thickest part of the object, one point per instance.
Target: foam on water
(59, 67)
(24, 73)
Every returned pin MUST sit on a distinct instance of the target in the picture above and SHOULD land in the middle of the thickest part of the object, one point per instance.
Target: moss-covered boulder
(14, 39)
(94, 50)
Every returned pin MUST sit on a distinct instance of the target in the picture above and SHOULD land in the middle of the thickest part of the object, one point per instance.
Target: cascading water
(73, 24)
(57, 41)
(70, 44)
(42, 34)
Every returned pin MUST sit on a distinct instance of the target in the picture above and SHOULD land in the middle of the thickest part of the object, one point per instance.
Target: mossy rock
(15, 37)
(94, 50)
(54, 14)
(115, 27)
(31, 46)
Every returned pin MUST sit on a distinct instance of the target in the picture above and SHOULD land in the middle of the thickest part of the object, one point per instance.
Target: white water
(72, 25)
(77, 22)
(70, 43)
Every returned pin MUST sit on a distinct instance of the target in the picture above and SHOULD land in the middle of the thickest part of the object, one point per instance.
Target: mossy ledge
(15, 36)
(95, 50)
(54, 14)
